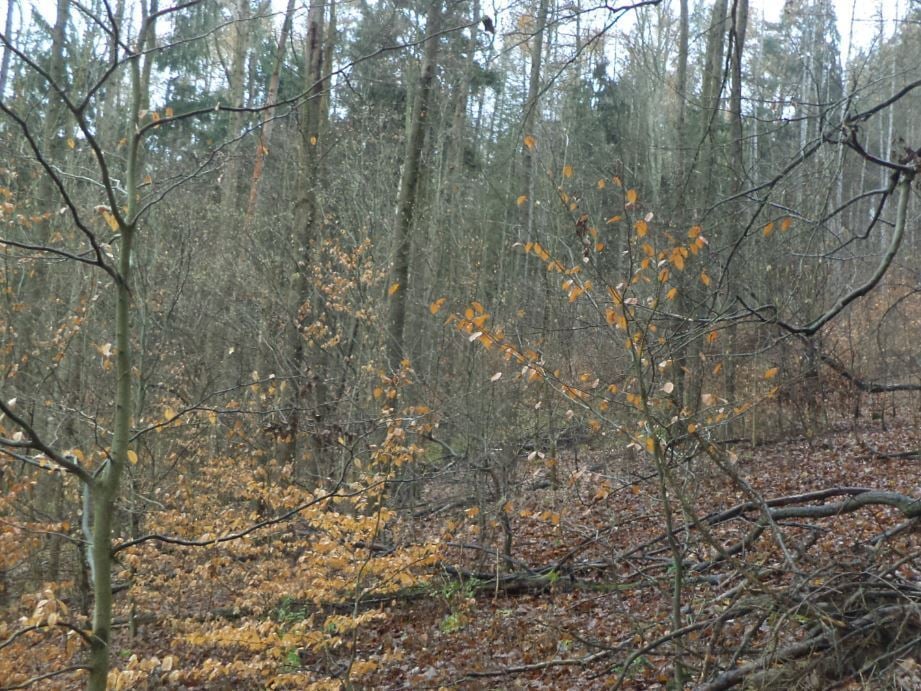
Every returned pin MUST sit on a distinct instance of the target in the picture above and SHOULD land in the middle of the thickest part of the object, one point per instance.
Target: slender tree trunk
(406, 202)
(236, 79)
(532, 116)
(314, 115)
(106, 484)
(265, 133)
(8, 32)
(52, 141)
(703, 189)
(737, 148)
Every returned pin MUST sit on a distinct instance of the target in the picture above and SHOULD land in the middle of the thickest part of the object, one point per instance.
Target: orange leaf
(437, 305)
(631, 196)
(602, 183)
(641, 228)
(768, 229)
(785, 224)
(529, 142)
(521, 200)
(394, 287)
(672, 294)
(567, 171)
(771, 373)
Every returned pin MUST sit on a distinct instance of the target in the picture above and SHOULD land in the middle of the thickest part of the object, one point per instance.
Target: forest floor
(610, 592)
(585, 601)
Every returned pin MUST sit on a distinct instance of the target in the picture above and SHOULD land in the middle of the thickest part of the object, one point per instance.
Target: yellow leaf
(648, 250)
(71, 144)
(641, 228)
(529, 142)
(521, 199)
(692, 428)
(169, 111)
(155, 116)
(168, 414)
(132, 457)
(599, 246)
(672, 294)
(771, 373)
(313, 140)
(110, 220)
(378, 392)
(631, 196)
(394, 287)
(567, 171)
(437, 305)
(650, 444)
(768, 229)
(602, 183)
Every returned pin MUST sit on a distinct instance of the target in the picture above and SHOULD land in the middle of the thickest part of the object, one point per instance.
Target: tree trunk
(236, 84)
(105, 487)
(314, 115)
(265, 133)
(406, 202)
(737, 148)
(8, 32)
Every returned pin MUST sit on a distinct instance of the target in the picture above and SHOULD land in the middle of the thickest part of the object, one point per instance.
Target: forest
(445, 344)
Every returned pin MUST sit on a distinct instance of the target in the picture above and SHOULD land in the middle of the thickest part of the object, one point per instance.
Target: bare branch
(35, 442)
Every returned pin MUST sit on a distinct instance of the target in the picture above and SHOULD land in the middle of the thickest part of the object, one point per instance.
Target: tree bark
(236, 79)
(406, 202)
(265, 133)
(8, 32)
(314, 115)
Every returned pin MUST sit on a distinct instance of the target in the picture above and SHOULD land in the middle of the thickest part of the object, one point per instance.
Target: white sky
(866, 15)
